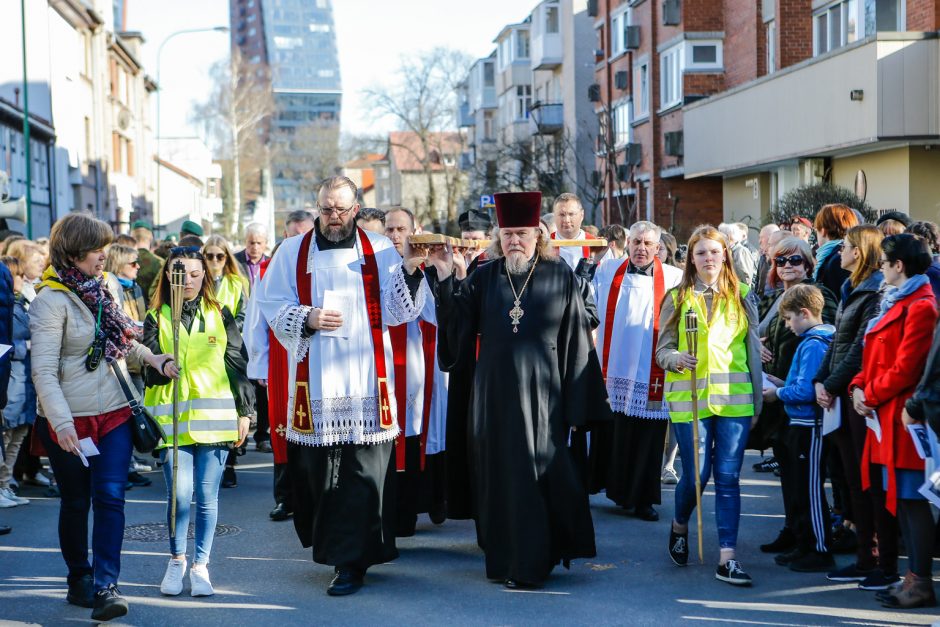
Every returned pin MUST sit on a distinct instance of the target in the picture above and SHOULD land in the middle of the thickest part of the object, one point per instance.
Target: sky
(372, 36)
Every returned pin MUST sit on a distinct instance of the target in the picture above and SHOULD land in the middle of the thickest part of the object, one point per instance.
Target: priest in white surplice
(629, 292)
(329, 296)
(421, 386)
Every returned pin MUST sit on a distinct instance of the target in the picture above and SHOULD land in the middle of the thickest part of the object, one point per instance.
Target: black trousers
(283, 487)
(808, 507)
(263, 430)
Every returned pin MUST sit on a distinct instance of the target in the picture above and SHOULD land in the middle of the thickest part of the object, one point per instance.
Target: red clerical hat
(518, 209)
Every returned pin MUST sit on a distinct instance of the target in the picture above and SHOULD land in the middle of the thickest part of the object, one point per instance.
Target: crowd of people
(501, 383)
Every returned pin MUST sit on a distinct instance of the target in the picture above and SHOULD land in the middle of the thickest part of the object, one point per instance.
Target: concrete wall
(925, 183)
(740, 205)
(888, 175)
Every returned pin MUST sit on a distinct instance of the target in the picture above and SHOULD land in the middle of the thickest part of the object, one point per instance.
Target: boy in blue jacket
(801, 309)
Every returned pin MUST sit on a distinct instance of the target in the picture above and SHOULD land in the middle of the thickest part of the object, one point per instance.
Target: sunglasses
(793, 260)
(214, 256)
(134, 263)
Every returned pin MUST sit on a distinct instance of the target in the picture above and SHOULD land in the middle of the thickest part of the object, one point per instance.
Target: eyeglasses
(214, 256)
(328, 211)
(793, 260)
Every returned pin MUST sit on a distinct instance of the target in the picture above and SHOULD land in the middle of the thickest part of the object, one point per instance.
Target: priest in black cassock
(536, 377)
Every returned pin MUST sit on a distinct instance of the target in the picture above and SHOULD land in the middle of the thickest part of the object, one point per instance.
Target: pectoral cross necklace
(517, 312)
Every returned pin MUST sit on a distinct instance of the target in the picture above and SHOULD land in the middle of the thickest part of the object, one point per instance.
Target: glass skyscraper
(301, 49)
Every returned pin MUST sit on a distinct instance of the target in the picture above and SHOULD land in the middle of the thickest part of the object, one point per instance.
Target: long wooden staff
(691, 338)
(177, 283)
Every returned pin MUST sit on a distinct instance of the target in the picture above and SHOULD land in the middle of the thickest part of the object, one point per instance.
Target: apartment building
(524, 110)
(851, 96)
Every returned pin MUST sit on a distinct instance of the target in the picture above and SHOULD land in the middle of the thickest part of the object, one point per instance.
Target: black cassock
(529, 388)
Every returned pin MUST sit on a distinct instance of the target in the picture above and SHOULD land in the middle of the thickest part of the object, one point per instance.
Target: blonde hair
(803, 296)
(866, 239)
(23, 249)
(118, 256)
(727, 287)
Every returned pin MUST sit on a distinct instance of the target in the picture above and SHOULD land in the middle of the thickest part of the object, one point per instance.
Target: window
(551, 18)
(523, 101)
(642, 89)
(503, 56)
(670, 76)
(835, 26)
(488, 75)
(622, 117)
(488, 127)
(618, 37)
(522, 45)
(702, 56)
(116, 163)
(771, 46)
(884, 15)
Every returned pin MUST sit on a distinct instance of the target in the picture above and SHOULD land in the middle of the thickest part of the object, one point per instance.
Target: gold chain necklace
(517, 312)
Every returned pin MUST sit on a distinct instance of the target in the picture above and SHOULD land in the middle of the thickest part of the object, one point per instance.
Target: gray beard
(517, 263)
(340, 235)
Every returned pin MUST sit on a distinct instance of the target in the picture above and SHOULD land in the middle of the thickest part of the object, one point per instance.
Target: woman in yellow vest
(231, 287)
(728, 375)
(215, 404)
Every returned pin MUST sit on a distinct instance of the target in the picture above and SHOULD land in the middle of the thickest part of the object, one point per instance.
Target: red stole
(276, 390)
(301, 420)
(657, 376)
(399, 337)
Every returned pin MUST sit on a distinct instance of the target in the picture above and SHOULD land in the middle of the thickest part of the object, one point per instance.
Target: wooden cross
(656, 385)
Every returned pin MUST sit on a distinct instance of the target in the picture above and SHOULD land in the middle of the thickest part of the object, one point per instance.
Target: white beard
(518, 263)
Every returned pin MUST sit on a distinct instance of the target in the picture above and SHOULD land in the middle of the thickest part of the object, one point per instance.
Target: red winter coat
(892, 363)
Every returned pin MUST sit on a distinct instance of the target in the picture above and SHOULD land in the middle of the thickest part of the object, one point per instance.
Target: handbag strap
(130, 396)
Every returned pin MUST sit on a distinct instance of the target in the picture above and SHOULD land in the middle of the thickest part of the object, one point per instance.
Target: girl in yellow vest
(231, 287)
(215, 405)
(729, 390)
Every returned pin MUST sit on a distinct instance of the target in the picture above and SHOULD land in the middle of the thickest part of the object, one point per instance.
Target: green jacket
(150, 267)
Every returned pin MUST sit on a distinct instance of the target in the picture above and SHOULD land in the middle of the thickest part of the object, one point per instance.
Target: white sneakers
(199, 583)
(8, 498)
(172, 583)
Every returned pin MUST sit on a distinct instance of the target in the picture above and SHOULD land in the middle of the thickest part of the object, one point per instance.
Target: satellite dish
(861, 185)
(123, 119)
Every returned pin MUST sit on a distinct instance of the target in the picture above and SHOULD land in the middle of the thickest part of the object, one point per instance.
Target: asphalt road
(262, 575)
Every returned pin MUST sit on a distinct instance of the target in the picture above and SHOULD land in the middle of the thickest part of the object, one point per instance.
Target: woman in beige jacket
(77, 330)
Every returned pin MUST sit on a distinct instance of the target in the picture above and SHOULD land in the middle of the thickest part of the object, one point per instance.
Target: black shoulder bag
(145, 432)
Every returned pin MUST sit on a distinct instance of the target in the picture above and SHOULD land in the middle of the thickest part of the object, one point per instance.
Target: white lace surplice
(343, 383)
(631, 346)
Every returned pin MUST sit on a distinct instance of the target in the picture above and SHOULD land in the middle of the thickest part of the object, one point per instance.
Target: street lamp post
(208, 29)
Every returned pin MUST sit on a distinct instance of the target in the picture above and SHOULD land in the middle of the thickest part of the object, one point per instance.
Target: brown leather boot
(916, 592)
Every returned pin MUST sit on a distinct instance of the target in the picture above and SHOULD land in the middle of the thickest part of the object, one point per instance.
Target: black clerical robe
(529, 389)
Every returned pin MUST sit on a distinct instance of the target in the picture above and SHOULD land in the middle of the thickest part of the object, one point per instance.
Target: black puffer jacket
(832, 274)
(844, 359)
(925, 403)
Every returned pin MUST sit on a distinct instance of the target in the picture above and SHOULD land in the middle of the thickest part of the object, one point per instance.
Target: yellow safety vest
(723, 377)
(231, 291)
(207, 413)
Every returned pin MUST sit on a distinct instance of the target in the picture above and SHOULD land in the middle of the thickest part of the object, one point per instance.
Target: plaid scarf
(118, 328)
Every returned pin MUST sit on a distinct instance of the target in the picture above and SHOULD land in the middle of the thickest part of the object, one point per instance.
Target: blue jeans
(200, 466)
(722, 447)
(100, 485)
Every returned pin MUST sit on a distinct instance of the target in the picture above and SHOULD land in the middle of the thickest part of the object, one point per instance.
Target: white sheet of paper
(765, 382)
(832, 417)
(335, 300)
(872, 423)
(931, 488)
(88, 447)
(4, 348)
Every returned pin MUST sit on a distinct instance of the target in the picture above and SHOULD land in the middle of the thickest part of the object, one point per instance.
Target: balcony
(483, 98)
(549, 117)
(885, 88)
(547, 51)
(464, 117)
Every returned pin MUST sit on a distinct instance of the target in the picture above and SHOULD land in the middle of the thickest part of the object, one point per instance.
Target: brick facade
(923, 15)
(794, 32)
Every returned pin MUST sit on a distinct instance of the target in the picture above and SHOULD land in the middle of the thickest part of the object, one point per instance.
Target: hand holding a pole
(690, 359)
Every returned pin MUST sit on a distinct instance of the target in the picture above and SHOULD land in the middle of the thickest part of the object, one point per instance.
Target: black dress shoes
(5, 529)
(82, 591)
(108, 604)
(229, 480)
(646, 512)
(785, 541)
(264, 446)
(280, 512)
(345, 581)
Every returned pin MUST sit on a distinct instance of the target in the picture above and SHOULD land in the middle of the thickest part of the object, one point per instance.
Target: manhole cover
(158, 532)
